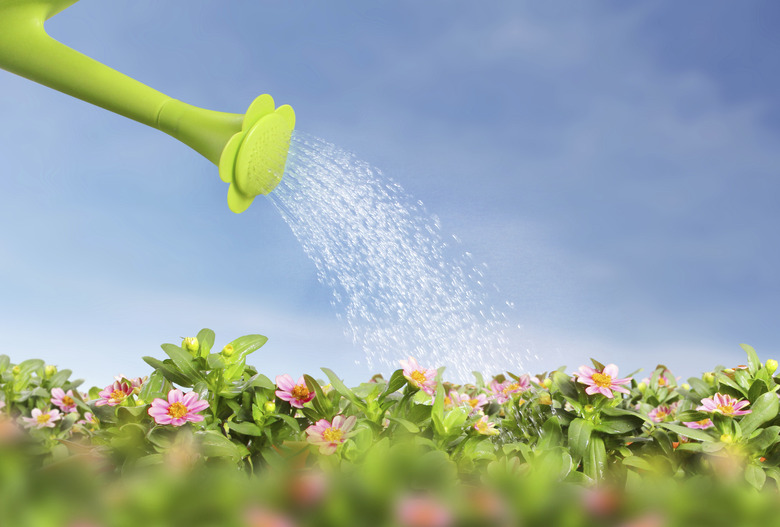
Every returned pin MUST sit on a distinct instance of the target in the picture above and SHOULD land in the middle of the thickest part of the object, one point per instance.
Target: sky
(614, 164)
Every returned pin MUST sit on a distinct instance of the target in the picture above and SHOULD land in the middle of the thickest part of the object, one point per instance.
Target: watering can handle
(27, 50)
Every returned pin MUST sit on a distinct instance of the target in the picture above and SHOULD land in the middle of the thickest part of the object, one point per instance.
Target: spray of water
(395, 281)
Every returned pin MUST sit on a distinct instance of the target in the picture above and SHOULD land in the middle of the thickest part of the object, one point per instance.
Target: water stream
(399, 286)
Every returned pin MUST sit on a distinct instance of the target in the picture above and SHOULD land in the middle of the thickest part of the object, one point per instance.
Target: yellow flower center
(511, 388)
(68, 400)
(177, 410)
(703, 422)
(300, 392)
(418, 376)
(118, 395)
(661, 414)
(332, 435)
(726, 409)
(601, 380)
(473, 402)
(43, 418)
(662, 381)
(482, 426)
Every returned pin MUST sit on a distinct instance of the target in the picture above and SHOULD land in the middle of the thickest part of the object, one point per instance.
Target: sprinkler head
(253, 160)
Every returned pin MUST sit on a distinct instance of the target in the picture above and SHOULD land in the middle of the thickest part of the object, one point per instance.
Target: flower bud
(140, 402)
(771, 366)
(544, 398)
(269, 407)
(16, 370)
(727, 438)
(642, 387)
(685, 386)
(547, 382)
(191, 344)
(709, 377)
(228, 351)
(49, 371)
(588, 409)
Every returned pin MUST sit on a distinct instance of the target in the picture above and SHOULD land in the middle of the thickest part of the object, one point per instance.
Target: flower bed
(206, 439)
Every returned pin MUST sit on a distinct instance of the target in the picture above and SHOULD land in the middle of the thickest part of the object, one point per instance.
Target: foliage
(387, 446)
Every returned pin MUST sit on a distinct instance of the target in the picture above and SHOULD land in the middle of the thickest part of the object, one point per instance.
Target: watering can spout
(250, 149)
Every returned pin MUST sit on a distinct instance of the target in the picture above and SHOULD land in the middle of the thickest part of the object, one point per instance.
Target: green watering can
(250, 150)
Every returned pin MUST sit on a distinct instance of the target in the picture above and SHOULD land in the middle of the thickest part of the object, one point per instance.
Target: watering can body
(250, 149)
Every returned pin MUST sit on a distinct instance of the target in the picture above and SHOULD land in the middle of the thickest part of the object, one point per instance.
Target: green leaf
(700, 388)
(754, 364)
(618, 425)
(565, 385)
(245, 345)
(408, 425)
(215, 361)
(206, 341)
(184, 362)
(153, 387)
(60, 378)
(757, 389)
(214, 444)
(638, 462)
(580, 432)
(291, 422)
(765, 439)
(763, 410)
(755, 476)
(342, 389)
(693, 433)
(5, 362)
(454, 420)
(320, 403)
(552, 435)
(396, 382)
(595, 460)
(249, 429)
(726, 381)
(437, 410)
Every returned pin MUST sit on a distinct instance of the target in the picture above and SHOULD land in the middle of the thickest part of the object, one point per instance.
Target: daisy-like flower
(63, 400)
(178, 409)
(502, 391)
(115, 394)
(724, 404)
(89, 419)
(329, 435)
(603, 382)
(701, 425)
(660, 413)
(418, 376)
(475, 403)
(135, 384)
(297, 394)
(484, 427)
(423, 511)
(42, 419)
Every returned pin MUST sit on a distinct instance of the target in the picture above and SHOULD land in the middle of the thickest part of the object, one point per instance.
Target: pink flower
(475, 403)
(135, 384)
(485, 428)
(40, 419)
(64, 400)
(89, 419)
(423, 511)
(330, 435)
(419, 377)
(115, 394)
(296, 394)
(702, 425)
(178, 409)
(724, 404)
(660, 413)
(603, 382)
(502, 392)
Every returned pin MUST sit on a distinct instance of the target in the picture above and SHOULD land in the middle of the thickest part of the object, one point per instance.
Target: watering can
(250, 150)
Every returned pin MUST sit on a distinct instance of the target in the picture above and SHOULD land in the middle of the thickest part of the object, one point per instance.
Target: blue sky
(614, 164)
